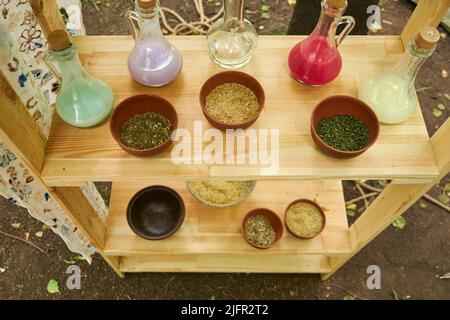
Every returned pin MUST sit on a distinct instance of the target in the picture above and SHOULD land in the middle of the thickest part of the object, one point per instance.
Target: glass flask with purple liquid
(154, 62)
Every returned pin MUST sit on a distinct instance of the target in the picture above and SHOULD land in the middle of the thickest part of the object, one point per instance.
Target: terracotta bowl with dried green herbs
(232, 100)
(344, 127)
(305, 219)
(262, 228)
(142, 125)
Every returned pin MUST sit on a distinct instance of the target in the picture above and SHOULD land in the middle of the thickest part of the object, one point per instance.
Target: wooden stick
(22, 240)
(365, 196)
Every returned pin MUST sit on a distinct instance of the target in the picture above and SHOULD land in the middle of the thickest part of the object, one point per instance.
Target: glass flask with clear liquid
(153, 62)
(232, 39)
(82, 101)
(316, 60)
(392, 94)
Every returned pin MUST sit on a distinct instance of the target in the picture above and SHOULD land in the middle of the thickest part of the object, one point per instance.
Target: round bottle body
(314, 62)
(232, 49)
(153, 63)
(390, 96)
(84, 102)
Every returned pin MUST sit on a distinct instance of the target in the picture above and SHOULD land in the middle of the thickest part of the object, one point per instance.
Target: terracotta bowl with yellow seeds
(305, 219)
(222, 91)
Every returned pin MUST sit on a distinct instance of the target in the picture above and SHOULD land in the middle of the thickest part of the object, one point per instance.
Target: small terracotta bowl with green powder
(232, 100)
(344, 127)
(262, 228)
(305, 219)
(142, 125)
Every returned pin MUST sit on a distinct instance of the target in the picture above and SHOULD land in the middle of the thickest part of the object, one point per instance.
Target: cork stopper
(59, 40)
(337, 3)
(146, 4)
(427, 37)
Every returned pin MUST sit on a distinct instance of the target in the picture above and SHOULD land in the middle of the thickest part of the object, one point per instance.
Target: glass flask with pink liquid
(316, 60)
(154, 62)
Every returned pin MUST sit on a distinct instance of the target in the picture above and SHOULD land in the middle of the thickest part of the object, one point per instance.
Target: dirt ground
(410, 259)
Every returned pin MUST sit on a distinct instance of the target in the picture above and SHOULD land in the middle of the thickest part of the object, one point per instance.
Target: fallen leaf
(70, 261)
(437, 113)
(399, 223)
(387, 22)
(441, 106)
(445, 276)
(447, 96)
(351, 213)
(442, 198)
(447, 187)
(348, 297)
(382, 182)
(27, 236)
(2, 270)
(444, 73)
(212, 298)
(15, 225)
(39, 234)
(352, 207)
(80, 258)
(292, 2)
(265, 15)
(53, 286)
(423, 205)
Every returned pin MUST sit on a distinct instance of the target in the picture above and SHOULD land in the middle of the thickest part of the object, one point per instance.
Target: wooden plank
(18, 129)
(48, 15)
(427, 13)
(217, 231)
(80, 211)
(394, 201)
(249, 262)
(402, 152)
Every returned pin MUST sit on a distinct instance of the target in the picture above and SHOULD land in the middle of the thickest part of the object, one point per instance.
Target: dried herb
(232, 103)
(145, 130)
(304, 220)
(343, 132)
(259, 231)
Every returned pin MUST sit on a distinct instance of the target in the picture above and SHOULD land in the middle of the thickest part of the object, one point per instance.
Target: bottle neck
(233, 14)
(412, 61)
(69, 64)
(328, 21)
(149, 21)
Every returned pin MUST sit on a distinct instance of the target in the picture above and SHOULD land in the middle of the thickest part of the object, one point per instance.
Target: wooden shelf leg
(394, 201)
(86, 219)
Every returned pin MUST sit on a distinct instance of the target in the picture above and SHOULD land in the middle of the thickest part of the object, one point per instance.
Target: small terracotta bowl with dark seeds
(274, 220)
(344, 105)
(232, 77)
(314, 204)
(138, 104)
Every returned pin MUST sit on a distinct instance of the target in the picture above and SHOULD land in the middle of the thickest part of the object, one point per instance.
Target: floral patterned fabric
(22, 46)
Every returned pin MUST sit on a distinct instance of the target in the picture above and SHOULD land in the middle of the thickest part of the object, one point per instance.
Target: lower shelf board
(249, 262)
(210, 239)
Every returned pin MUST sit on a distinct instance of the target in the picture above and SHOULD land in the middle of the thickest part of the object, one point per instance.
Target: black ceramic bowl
(155, 212)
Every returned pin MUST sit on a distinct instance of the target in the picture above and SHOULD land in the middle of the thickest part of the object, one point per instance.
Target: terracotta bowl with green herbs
(344, 127)
(142, 125)
(232, 100)
(262, 228)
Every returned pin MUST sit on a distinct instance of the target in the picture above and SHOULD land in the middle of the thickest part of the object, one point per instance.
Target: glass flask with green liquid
(82, 101)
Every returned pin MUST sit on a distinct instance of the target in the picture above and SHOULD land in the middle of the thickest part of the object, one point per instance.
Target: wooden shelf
(402, 152)
(208, 232)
